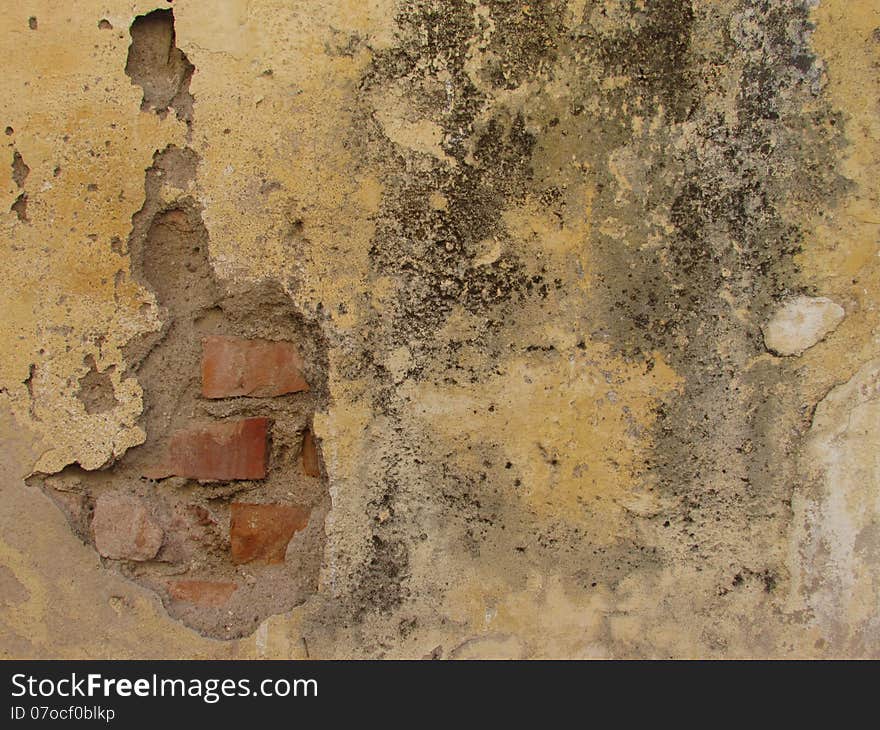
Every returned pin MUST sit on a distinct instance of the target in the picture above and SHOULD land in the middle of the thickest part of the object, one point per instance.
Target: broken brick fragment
(124, 530)
(310, 462)
(222, 451)
(232, 366)
(206, 593)
(261, 532)
(200, 515)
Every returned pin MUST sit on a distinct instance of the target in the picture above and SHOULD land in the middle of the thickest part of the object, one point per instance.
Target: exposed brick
(201, 592)
(124, 530)
(311, 465)
(232, 366)
(220, 451)
(261, 531)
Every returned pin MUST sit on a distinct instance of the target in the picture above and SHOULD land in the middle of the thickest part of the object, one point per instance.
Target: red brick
(260, 532)
(124, 530)
(232, 366)
(311, 464)
(221, 451)
(202, 592)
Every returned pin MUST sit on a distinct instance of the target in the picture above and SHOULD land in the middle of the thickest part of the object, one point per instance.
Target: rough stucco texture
(577, 304)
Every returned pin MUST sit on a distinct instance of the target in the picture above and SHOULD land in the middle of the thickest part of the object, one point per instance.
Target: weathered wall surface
(584, 295)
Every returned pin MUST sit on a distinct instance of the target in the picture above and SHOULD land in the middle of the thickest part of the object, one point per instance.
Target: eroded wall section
(443, 329)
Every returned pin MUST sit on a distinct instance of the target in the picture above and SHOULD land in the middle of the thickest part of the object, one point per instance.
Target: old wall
(581, 299)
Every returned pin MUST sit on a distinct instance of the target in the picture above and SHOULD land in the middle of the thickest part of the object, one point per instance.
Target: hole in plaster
(96, 389)
(19, 207)
(20, 170)
(223, 553)
(160, 68)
